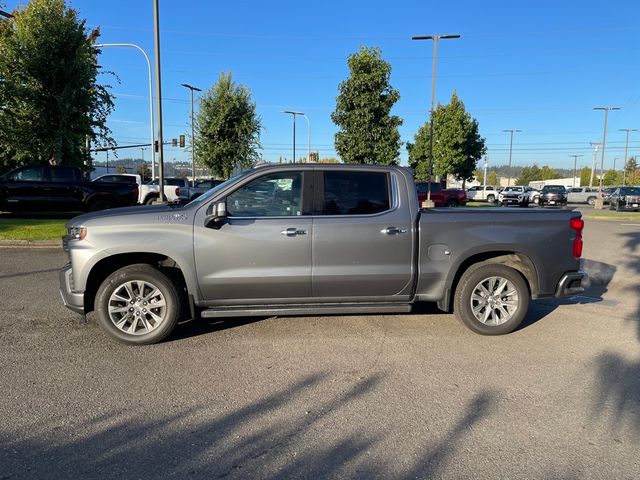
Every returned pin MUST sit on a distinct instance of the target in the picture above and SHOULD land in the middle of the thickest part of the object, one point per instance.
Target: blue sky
(537, 66)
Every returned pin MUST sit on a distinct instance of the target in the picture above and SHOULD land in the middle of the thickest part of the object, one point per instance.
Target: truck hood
(132, 215)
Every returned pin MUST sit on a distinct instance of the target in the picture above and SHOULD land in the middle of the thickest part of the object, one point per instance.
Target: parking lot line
(630, 224)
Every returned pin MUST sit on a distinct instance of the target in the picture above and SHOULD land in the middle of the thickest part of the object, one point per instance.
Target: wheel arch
(107, 265)
(516, 260)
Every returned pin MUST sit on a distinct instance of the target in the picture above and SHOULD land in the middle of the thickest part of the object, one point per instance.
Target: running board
(300, 310)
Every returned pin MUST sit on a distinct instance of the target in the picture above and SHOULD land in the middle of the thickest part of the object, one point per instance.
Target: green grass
(611, 214)
(482, 204)
(31, 229)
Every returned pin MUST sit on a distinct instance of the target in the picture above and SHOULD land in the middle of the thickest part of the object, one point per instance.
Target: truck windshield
(209, 193)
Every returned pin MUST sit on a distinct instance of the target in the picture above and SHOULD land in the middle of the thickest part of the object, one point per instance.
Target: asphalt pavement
(380, 396)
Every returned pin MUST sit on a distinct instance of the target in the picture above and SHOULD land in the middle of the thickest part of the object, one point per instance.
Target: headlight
(79, 233)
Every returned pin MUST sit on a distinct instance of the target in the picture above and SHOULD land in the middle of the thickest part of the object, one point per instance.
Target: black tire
(139, 273)
(491, 198)
(611, 206)
(471, 280)
(101, 205)
(150, 199)
(451, 204)
(591, 200)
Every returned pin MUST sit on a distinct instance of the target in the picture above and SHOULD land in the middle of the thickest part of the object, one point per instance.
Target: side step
(301, 310)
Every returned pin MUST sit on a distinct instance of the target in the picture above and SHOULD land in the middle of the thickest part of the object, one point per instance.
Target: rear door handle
(293, 232)
(393, 230)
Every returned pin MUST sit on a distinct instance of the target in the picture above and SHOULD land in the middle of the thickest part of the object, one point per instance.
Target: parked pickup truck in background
(450, 197)
(583, 195)
(315, 239)
(483, 193)
(150, 191)
(186, 194)
(60, 189)
(130, 178)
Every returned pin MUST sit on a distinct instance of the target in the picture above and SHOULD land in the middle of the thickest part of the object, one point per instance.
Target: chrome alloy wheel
(137, 307)
(494, 301)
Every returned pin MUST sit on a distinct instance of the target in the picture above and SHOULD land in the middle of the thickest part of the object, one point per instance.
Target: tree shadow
(269, 438)
(26, 274)
(618, 377)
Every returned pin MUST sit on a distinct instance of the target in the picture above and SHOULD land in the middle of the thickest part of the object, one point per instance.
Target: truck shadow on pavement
(290, 433)
(618, 376)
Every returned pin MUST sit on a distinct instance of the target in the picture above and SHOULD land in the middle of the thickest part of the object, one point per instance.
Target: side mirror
(216, 215)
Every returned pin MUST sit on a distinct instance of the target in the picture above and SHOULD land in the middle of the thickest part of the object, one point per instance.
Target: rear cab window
(354, 193)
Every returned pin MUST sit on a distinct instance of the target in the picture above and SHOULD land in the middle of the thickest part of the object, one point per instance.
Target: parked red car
(449, 197)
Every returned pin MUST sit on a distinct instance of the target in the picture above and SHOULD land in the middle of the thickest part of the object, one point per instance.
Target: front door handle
(393, 230)
(293, 232)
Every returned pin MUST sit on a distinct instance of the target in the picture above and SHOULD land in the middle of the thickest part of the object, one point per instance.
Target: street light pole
(486, 164)
(626, 148)
(510, 151)
(146, 57)
(575, 167)
(435, 39)
(593, 162)
(308, 138)
(193, 138)
(156, 31)
(604, 137)
(293, 114)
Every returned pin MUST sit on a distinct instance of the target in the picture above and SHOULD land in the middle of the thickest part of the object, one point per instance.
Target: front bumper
(72, 300)
(570, 284)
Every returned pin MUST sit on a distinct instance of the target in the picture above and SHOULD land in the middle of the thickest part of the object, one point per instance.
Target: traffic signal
(182, 141)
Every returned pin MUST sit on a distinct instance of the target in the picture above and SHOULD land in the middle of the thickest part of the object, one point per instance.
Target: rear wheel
(491, 299)
(451, 203)
(591, 200)
(491, 198)
(150, 200)
(138, 305)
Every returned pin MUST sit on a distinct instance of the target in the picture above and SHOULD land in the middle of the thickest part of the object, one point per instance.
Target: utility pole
(604, 137)
(626, 148)
(575, 167)
(293, 114)
(156, 31)
(435, 39)
(511, 132)
(593, 163)
(193, 138)
(486, 164)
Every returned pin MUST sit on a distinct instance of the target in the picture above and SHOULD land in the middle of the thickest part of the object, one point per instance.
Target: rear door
(262, 253)
(363, 236)
(64, 189)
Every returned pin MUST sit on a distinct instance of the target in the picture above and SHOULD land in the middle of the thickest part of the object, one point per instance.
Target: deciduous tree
(368, 132)
(50, 98)
(457, 145)
(227, 128)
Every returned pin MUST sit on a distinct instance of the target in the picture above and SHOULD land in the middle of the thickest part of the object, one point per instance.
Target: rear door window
(355, 193)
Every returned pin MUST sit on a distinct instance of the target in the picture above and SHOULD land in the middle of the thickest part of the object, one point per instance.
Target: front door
(262, 252)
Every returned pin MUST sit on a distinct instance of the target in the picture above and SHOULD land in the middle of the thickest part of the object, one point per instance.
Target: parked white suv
(486, 193)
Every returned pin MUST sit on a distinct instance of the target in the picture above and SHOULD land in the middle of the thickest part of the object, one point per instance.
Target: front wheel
(491, 299)
(451, 203)
(491, 198)
(138, 305)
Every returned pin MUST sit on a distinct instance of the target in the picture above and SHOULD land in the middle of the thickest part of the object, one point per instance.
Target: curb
(30, 243)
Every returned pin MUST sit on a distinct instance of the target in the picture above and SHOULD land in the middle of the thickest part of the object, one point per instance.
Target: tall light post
(308, 137)
(293, 114)
(595, 146)
(604, 137)
(512, 131)
(486, 164)
(575, 167)
(435, 39)
(156, 35)
(626, 148)
(146, 57)
(193, 138)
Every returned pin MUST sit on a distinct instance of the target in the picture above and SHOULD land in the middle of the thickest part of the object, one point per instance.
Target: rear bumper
(72, 300)
(570, 284)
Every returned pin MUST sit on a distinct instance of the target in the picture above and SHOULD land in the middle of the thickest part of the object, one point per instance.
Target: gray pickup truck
(314, 240)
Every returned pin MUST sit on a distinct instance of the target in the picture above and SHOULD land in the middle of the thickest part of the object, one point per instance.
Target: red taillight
(135, 192)
(178, 192)
(577, 224)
